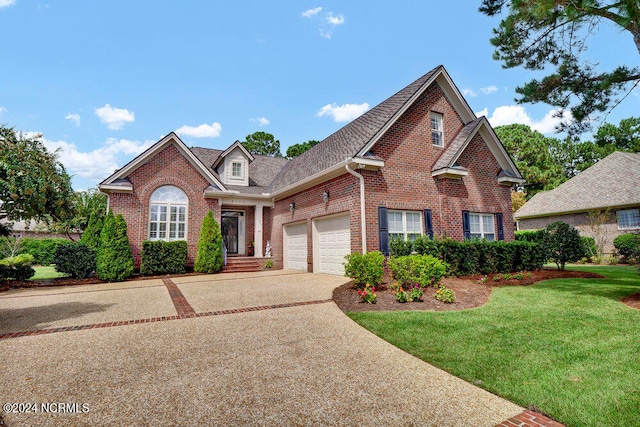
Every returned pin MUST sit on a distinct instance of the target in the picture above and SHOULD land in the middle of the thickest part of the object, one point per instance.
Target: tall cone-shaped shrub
(91, 235)
(114, 261)
(209, 255)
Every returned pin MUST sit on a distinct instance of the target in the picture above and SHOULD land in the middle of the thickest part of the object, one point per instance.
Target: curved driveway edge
(300, 365)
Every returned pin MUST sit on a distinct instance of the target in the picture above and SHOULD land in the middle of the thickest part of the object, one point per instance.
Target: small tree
(209, 254)
(91, 235)
(564, 243)
(114, 261)
(596, 219)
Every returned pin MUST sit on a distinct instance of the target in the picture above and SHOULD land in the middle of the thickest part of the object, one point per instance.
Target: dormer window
(236, 169)
(436, 130)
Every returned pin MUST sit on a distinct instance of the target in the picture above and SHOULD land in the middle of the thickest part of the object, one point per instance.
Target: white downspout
(363, 219)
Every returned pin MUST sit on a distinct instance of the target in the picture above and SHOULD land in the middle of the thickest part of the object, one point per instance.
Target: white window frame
(437, 131)
(630, 219)
(484, 227)
(239, 170)
(168, 214)
(405, 233)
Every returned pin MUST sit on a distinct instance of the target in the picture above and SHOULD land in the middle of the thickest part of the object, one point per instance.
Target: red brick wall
(169, 167)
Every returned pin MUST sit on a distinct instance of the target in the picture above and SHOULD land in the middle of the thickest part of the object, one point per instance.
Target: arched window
(168, 217)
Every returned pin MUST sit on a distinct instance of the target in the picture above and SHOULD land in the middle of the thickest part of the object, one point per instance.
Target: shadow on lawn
(42, 317)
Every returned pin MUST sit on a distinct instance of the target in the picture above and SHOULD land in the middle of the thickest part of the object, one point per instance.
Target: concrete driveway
(265, 348)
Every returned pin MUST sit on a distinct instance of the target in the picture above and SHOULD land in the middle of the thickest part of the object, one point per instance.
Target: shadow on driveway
(45, 316)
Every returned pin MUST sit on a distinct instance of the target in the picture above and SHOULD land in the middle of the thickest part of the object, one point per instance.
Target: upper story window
(628, 219)
(168, 215)
(236, 169)
(437, 137)
(405, 225)
(482, 226)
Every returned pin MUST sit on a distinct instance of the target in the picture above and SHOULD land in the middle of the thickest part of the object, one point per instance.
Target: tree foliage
(531, 152)
(564, 243)
(537, 35)
(33, 183)
(296, 149)
(91, 234)
(114, 261)
(209, 254)
(262, 143)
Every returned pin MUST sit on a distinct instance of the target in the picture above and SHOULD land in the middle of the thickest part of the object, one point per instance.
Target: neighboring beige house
(34, 229)
(612, 183)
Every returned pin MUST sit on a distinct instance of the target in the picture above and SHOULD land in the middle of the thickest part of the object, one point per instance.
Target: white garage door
(332, 242)
(295, 247)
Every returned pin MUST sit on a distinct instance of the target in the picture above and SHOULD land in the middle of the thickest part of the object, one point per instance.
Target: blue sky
(103, 80)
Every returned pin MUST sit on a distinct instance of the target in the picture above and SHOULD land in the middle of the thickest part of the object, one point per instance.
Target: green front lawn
(567, 347)
(44, 272)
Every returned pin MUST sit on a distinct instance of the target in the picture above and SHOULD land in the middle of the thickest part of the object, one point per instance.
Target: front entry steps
(242, 264)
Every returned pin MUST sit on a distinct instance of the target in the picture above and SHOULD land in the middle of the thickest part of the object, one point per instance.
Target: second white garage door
(331, 242)
(295, 247)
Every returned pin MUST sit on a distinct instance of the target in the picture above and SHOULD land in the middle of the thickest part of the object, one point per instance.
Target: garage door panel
(334, 242)
(295, 241)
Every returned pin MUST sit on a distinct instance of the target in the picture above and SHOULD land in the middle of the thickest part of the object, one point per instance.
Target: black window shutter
(428, 223)
(500, 226)
(383, 230)
(466, 227)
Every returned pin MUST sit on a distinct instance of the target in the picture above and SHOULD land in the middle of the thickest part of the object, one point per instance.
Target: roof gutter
(363, 219)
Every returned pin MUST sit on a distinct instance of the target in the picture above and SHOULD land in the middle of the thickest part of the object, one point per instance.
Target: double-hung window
(405, 225)
(482, 226)
(236, 169)
(436, 130)
(628, 219)
(168, 214)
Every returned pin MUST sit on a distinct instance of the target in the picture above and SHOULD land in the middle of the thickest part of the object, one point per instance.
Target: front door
(232, 226)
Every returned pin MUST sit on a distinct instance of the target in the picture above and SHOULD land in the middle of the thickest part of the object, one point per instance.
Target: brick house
(420, 162)
(612, 184)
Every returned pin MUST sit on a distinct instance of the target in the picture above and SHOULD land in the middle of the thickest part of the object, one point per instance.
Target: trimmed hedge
(42, 250)
(75, 259)
(160, 257)
(477, 256)
(17, 267)
(627, 244)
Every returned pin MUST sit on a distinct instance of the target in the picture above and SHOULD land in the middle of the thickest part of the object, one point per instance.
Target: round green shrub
(627, 244)
(76, 259)
(17, 267)
(365, 268)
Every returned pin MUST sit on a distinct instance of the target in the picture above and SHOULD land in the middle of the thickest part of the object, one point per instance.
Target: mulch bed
(632, 300)
(469, 292)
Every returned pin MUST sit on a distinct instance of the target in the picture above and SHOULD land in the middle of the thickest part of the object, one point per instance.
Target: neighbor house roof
(612, 182)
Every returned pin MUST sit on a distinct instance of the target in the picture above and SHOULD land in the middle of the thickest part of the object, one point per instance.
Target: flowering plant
(416, 293)
(483, 280)
(368, 294)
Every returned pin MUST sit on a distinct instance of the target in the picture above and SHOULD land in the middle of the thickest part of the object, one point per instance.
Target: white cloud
(75, 118)
(5, 3)
(510, 114)
(261, 121)
(113, 117)
(203, 131)
(489, 89)
(97, 164)
(343, 113)
(3, 110)
(334, 20)
(311, 12)
(468, 92)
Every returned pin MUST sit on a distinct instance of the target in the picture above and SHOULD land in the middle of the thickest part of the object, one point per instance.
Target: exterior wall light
(325, 196)
(292, 206)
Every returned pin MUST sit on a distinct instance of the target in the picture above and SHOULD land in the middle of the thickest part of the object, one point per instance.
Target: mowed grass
(567, 347)
(45, 272)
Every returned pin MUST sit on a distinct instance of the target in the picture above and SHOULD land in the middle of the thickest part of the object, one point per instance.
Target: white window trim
(631, 226)
(169, 205)
(483, 232)
(405, 232)
(233, 175)
(440, 116)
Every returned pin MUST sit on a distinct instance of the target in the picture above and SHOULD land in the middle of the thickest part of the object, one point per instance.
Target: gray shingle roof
(447, 159)
(347, 141)
(262, 170)
(613, 181)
